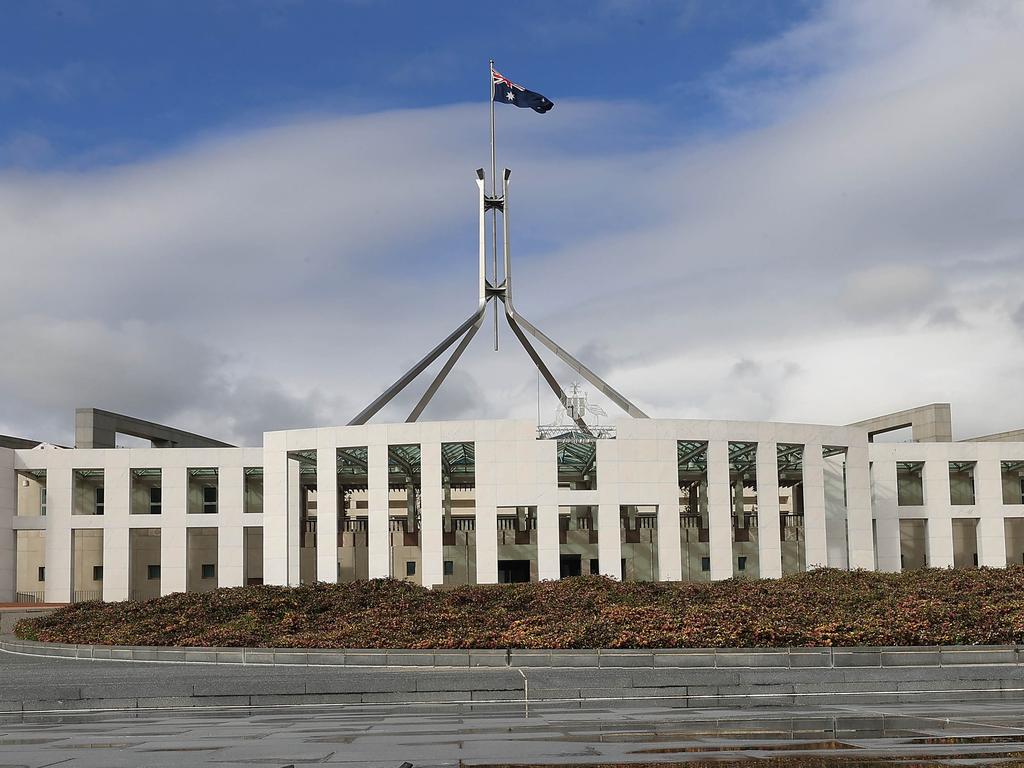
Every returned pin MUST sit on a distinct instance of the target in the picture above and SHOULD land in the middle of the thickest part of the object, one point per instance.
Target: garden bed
(820, 608)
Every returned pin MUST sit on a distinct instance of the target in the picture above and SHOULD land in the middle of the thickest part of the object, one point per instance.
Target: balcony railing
(642, 522)
(511, 523)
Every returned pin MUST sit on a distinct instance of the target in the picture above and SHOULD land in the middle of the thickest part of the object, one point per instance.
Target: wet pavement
(438, 734)
(611, 729)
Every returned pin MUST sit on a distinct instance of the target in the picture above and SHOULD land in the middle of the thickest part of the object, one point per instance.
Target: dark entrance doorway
(513, 571)
(570, 565)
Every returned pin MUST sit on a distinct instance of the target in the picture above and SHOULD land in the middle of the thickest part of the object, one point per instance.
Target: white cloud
(857, 249)
(879, 292)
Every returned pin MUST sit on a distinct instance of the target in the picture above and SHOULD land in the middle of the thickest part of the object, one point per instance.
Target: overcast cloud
(855, 246)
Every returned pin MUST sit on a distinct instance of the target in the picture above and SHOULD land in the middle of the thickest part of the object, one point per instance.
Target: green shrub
(820, 608)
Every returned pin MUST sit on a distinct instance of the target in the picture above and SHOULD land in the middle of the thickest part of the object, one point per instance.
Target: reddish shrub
(822, 607)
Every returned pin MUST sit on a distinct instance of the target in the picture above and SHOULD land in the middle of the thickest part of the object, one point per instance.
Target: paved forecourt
(381, 735)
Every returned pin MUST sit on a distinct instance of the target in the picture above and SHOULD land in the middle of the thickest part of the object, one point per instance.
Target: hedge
(821, 608)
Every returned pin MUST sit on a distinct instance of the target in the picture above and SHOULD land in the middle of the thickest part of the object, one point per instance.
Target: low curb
(698, 678)
(681, 658)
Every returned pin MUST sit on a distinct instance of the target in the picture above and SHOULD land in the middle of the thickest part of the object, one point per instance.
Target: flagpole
(494, 212)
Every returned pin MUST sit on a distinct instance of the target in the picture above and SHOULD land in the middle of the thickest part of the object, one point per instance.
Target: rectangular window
(99, 500)
(741, 563)
(209, 571)
(210, 499)
(42, 573)
(253, 490)
(155, 501)
(153, 572)
(97, 573)
(705, 563)
(42, 502)
(449, 567)
(910, 483)
(595, 566)
(961, 482)
(410, 568)
(577, 464)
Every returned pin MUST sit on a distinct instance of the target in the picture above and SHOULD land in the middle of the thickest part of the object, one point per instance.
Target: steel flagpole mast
(461, 337)
(494, 212)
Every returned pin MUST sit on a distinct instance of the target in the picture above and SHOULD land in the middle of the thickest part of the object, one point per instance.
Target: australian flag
(512, 93)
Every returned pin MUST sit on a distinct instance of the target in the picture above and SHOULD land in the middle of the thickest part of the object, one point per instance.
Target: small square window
(741, 563)
(705, 563)
(155, 501)
(97, 573)
(209, 571)
(42, 573)
(410, 568)
(153, 572)
(449, 567)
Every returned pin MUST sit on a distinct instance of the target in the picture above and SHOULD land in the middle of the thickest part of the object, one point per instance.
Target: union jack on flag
(507, 92)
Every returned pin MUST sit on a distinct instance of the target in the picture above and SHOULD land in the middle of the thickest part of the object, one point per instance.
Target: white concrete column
(609, 540)
(231, 527)
(935, 478)
(276, 546)
(378, 514)
(173, 533)
(769, 535)
(886, 511)
(59, 504)
(294, 522)
(231, 555)
(609, 537)
(173, 557)
(431, 512)
(858, 508)
(670, 567)
(117, 489)
(8, 511)
(327, 513)
(719, 510)
(988, 486)
(545, 475)
(836, 541)
(548, 563)
(988, 503)
(815, 531)
(992, 541)
(116, 549)
(486, 512)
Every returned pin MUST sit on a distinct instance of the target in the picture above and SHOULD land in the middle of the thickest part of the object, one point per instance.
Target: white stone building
(442, 503)
(446, 503)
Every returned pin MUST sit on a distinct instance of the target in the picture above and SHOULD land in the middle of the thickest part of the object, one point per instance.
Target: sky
(242, 216)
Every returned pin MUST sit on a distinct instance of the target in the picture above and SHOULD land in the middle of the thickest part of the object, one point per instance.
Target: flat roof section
(96, 428)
